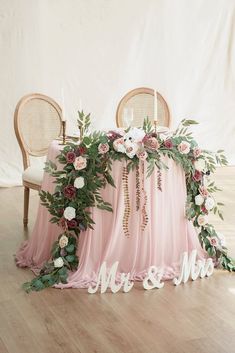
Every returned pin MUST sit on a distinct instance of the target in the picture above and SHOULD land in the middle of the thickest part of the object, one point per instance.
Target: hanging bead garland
(143, 210)
(137, 179)
(125, 221)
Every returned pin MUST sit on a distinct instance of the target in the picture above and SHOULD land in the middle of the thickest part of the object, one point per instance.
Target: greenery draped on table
(87, 167)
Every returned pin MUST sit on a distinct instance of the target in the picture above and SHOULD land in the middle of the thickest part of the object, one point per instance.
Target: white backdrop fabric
(97, 50)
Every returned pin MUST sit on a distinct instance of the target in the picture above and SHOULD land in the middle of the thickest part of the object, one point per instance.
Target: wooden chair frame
(25, 152)
(134, 92)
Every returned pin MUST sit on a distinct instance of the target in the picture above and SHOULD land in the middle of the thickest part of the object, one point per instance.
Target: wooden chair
(141, 101)
(37, 121)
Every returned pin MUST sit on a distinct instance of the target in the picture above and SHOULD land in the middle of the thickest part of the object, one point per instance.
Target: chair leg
(26, 206)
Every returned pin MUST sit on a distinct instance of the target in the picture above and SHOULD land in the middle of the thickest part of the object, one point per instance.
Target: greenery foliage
(89, 164)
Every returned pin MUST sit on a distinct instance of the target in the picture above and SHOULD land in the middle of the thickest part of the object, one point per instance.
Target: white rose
(69, 213)
(79, 182)
(58, 262)
(202, 220)
(199, 200)
(200, 165)
(210, 203)
(63, 242)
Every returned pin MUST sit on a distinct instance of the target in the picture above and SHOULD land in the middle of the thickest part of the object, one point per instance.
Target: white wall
(97, 50)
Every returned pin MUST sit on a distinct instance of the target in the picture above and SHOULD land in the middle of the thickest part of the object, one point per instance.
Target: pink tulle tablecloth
(167, 235)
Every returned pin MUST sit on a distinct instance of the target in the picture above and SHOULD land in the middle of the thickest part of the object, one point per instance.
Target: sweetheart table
(167, 235)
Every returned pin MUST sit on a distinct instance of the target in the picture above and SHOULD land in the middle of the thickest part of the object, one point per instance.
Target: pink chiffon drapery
(167, 235)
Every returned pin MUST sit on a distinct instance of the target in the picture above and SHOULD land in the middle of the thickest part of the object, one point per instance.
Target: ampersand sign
(154, 277)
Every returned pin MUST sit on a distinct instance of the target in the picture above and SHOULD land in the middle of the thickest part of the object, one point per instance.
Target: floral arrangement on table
(87, 166)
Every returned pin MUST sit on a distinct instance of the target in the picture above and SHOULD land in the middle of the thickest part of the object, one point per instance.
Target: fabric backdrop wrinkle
(97, 50)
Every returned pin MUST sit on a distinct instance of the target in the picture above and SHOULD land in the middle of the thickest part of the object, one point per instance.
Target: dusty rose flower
(72, 223)
(202, 220)
(69, 192)
(151, 143)
(184, 147)
(142, 155)
(63, 241)
(80, 163)
(203, 191)
(214, 241)
(168, 143)
(197, 175)
(197, 152)
(70, 157)
(103, 148)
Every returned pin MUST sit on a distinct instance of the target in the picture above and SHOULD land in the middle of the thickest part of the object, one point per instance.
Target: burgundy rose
(168, 143)
(203, 209)
(113, 135)
(72, 223)
(197, 175)
(70, 157)
(80, 150)
(69, 191)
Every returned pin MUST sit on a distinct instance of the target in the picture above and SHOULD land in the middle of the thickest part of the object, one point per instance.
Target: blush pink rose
(80, 163)
(197, 152)
(202, 220)
(142, 155)
(203, 191)
(184, 147)
(103, 148)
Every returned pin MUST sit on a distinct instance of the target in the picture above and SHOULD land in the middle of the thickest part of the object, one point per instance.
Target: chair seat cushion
(33, 174)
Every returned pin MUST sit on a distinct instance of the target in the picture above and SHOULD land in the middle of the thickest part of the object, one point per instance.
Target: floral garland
(87, 169)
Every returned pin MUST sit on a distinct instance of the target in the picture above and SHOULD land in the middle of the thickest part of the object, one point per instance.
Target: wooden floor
(198, 317)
